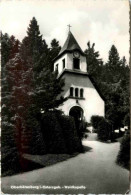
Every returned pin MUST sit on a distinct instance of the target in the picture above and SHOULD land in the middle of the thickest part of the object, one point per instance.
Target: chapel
(83, 96)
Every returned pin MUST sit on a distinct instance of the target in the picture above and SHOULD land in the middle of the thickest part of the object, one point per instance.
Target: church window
(63, 61)
(76, 63)
(81, 93)
(56, 68)
(71, 91)
(76, 92)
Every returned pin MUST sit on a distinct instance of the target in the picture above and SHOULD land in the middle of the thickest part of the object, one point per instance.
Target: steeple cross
(69, 27)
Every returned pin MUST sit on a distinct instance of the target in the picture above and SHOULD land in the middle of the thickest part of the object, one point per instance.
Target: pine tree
(53, 52)
(34, 48)
(44, 85)
(5, 48)
(117, 83)
(113, 65)
(94, 63)
(10, 155)
(48, 90)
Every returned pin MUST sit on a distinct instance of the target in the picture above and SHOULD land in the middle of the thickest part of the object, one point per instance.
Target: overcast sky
(103, 22)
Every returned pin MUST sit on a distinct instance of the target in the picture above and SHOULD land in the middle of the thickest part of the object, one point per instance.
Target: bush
(10, 162)
(10, 158)
(83, 126)
(127, 120)
(59, 133)
(32, 139)
(95, 119)
(123, 157)
(72, 141)
(52, 134)
(104, 130)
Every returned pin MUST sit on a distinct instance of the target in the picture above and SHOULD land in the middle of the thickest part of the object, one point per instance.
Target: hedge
(59, 133)
(104, 130)
(123, 157)
(72, 140)
(10, 158)
(52, 134)
(102, 127)
(95, 119)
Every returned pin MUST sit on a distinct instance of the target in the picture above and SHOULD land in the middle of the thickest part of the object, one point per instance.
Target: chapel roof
(70, 45)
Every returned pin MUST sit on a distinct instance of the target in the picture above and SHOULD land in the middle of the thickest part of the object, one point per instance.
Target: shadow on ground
(39, 161)
(31, 162)
(86, 149)
(48, 159)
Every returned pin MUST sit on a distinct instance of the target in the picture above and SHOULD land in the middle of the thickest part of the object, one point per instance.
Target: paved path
(95, 169)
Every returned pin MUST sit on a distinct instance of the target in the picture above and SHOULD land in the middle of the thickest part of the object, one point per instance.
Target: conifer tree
(53, 52)
(94, 63)
(46, 87)
(34, 48)
(5, 48)
(48, 90)
(117, 83)
(113, 65)
(10, 156)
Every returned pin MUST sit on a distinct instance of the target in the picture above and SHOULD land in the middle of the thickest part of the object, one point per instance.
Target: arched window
(71, 91)
(76, 92)
(81, 93)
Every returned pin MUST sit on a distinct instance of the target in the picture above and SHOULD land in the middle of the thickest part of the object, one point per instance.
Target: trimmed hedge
(32, 139)
(36, 144)
(102, 127)
(95, 119)
(123, 157)
(52, 134)
(72, 141)
(104, 130)
(59, 133)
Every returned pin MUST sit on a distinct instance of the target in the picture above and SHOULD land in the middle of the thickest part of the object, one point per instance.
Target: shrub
(52, 134)
(127, 120)
(10, 159)
(59, 133)
(83, 126)
(32, 139)
(104, 130)
(123, 157)
(95, 119)
(72, 141)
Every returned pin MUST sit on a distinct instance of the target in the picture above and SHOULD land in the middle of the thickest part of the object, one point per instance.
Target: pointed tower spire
(70, 44)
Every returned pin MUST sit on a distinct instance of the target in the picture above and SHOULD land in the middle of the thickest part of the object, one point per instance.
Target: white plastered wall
(92, 104)
(69, 63)
(60, 63)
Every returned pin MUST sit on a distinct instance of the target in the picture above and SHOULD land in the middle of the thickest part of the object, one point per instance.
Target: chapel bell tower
(71, 57)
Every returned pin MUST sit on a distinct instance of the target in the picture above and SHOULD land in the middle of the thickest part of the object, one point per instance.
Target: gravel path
(95, 170)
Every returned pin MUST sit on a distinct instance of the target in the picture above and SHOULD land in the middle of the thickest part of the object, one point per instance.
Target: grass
(48, 159)
(31, 162)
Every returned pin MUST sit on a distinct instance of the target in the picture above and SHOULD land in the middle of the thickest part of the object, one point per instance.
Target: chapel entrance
(77, 113)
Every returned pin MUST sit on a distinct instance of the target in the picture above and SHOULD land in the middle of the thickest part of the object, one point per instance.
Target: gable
(79, 79)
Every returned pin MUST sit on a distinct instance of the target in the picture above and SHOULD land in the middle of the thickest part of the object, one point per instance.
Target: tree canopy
(112, 78)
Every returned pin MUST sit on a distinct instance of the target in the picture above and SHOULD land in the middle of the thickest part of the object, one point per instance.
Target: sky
(103, 22)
